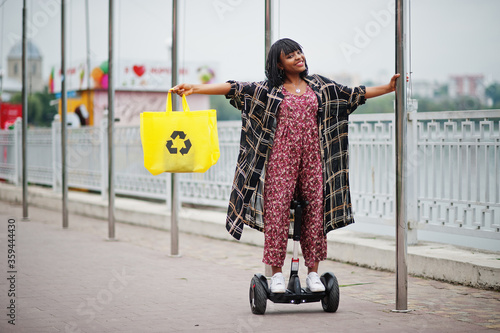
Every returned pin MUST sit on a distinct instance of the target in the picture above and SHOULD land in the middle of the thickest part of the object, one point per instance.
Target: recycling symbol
(170, 143)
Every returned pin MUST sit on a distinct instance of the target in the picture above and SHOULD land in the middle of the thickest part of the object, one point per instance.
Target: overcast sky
(357, 37)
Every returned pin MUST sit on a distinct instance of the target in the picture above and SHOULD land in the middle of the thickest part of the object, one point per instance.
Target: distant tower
(15, 67)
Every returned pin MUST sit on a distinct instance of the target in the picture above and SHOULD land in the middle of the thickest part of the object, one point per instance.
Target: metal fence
(453, 170)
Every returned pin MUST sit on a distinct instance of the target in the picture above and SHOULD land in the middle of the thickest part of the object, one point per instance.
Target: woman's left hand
(382, 90)
(392, 84)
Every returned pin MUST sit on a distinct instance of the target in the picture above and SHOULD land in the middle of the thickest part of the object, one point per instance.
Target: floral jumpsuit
(294, 170)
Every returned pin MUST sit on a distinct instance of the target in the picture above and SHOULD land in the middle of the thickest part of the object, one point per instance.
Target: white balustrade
(9, 160)
(459, 172)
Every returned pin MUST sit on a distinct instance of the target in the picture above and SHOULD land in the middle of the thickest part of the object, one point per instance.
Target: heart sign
(139, 70)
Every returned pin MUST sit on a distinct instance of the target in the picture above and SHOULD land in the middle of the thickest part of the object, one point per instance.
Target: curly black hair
(275, 75)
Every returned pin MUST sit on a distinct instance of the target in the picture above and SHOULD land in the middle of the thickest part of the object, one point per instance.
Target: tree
(493, 92)
(381, 104)
(40, 112)
(225, 111)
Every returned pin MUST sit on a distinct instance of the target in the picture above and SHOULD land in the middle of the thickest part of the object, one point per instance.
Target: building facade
(34, 64)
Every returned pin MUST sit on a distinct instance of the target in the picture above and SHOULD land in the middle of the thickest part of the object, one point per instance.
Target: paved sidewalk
(75, 280)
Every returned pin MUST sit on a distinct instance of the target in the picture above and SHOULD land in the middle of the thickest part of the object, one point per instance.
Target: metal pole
(268, 26)
(63, 117)
(111, 121)
(1, 52)
(401, 139)
(268, 40)
(174, 226)
(87, 28)
(25, 112)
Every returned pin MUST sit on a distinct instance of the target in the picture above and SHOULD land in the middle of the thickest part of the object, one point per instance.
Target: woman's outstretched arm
(207, 89)
(381, 90)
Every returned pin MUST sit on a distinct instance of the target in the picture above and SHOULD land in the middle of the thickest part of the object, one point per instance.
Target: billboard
(9, 113)
(130, 75)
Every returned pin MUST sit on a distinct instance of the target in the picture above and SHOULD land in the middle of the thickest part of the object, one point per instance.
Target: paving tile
(75, 280)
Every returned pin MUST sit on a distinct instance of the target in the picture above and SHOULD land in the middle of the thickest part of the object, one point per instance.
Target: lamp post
(401, 140)
(174, 213)
(111, 122)
(64, 104)
(25, 111)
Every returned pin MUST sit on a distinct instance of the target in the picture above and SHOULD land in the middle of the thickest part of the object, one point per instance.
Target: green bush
(40, 112)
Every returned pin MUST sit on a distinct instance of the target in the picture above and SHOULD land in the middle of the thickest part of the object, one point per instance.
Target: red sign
(9, 113)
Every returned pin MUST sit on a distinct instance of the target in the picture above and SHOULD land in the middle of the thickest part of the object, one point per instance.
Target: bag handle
(185, 106)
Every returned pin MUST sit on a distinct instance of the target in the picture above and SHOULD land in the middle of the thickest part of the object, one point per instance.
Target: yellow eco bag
(179, 141)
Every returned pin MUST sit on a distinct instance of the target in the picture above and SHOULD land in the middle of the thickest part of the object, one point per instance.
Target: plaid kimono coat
(259, 105)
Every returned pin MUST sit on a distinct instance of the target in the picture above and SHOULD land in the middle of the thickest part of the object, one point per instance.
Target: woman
(293, 141)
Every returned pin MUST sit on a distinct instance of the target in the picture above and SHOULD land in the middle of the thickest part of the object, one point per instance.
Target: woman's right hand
(182, 89)
(187, 89)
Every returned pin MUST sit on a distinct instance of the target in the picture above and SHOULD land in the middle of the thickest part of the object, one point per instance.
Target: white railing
(453, 170)
(458, 164)
(371, 166)
(10, 161)
(214, 186)
(452, 173)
